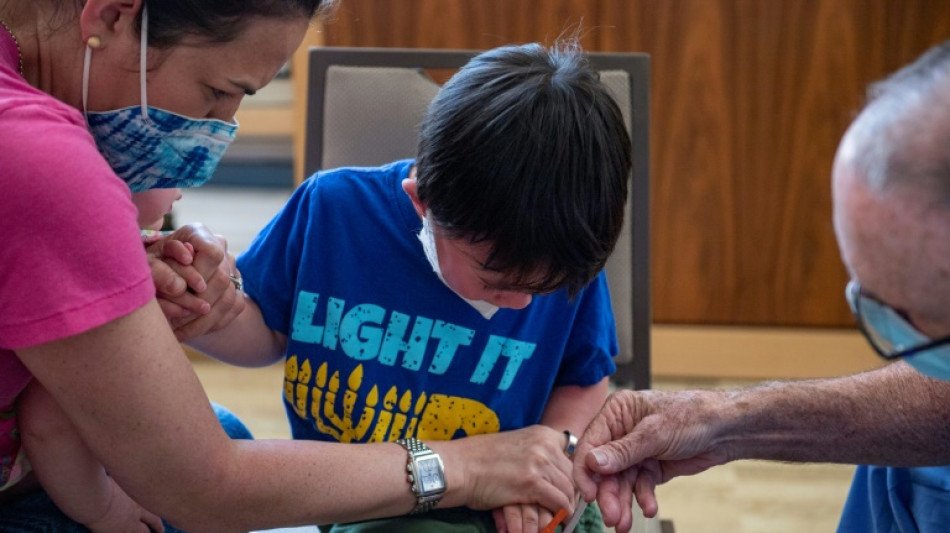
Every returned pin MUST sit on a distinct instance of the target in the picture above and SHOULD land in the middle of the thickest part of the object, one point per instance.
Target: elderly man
(891, 189)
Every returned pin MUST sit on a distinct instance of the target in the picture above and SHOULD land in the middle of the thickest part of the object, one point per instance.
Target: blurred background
(748, 100)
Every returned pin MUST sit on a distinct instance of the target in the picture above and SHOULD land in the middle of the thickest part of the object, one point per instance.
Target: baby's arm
(246, 341)
(570, 408)
(74, 479)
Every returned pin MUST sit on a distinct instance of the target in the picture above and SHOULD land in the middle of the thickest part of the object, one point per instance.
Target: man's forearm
(892, 416)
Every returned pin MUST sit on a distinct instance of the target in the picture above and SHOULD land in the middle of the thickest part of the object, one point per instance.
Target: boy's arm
(246, 341)
(74, 479)
(571, 408)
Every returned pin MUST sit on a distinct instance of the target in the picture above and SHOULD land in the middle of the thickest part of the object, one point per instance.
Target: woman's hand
(192, 271)
(525, 466)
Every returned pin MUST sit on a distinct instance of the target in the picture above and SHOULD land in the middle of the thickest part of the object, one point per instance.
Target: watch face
(429, 474)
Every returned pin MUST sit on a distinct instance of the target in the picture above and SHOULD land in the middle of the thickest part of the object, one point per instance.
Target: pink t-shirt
(70, 254)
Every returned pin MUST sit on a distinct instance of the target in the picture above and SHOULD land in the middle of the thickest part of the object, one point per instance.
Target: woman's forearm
(140, 408)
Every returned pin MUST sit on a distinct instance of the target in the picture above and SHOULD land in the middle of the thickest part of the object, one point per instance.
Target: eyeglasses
(888, 332)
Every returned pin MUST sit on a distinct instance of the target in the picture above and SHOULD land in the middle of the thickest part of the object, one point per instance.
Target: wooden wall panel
(453, 23)
(749, 99)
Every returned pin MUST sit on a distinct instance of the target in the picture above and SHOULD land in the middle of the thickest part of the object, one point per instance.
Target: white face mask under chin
(427, 238)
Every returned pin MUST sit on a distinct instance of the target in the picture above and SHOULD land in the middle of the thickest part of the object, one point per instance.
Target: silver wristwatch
(426, 474)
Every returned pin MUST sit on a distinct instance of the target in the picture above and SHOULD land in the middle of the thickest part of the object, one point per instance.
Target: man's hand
(639, 440)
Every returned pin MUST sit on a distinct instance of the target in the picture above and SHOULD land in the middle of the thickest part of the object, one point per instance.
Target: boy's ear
(409, 185)
(105, 19)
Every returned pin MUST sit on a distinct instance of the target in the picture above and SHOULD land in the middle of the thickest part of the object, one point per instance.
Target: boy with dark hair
(458, 294)
(527, 151)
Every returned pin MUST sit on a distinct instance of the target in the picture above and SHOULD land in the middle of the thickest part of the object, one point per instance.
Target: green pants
(455, 520)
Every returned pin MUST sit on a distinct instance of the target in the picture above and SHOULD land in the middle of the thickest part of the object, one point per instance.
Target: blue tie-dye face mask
(150, 148)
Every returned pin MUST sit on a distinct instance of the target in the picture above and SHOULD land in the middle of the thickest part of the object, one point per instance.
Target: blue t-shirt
(898, 500)
(379, 348)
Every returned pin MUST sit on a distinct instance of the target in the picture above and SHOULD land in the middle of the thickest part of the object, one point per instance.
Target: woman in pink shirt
(101, 97)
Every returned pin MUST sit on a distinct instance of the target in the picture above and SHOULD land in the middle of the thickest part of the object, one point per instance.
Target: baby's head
(153, 205)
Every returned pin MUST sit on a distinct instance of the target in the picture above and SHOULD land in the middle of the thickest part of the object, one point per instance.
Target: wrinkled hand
(192, 269)
(123, 514)
(639, 440)
(524, 466)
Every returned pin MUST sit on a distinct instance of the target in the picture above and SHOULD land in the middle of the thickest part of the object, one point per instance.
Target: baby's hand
(124, 514)
(177, 282)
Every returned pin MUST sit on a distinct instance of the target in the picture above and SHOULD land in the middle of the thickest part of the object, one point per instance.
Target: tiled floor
(742, 497)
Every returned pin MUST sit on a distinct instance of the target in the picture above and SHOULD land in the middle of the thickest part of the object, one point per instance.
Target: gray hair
(903, 133)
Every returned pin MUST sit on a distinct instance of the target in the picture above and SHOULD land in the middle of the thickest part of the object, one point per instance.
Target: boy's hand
(521, 518)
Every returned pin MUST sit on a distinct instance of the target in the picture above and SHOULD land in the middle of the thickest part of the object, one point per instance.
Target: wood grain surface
(749, 99)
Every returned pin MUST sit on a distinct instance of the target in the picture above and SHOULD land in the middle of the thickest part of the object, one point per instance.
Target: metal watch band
(418, 450)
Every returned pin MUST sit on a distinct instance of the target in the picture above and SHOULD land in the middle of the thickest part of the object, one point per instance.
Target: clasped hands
(192, 271)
